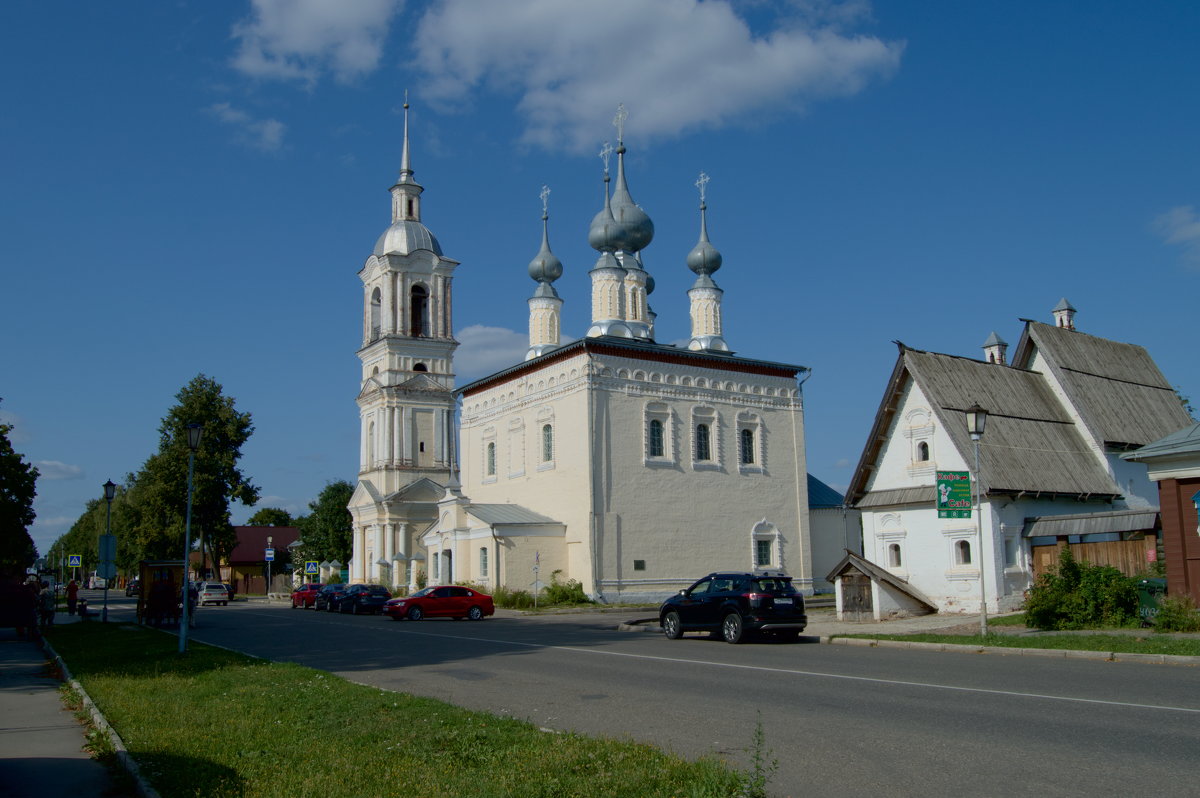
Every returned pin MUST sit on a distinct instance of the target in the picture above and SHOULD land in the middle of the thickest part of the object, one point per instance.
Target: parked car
(329, 596)
(211, 593)
(364, 598)
(229, 589)
(735, 604)
(306, 595)
(450, 601)
(133, 587)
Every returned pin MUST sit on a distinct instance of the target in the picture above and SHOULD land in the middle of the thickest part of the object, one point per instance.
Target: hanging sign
(954, 494)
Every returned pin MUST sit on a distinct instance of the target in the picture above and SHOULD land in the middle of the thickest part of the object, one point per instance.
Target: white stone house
(1051, 474)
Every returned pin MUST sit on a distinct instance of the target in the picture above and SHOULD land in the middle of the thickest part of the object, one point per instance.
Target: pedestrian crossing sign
(74, 560)
(310, 568)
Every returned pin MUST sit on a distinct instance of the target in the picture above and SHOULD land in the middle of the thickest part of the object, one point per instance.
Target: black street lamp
(976, 422)
(194, 431)
(110, 490)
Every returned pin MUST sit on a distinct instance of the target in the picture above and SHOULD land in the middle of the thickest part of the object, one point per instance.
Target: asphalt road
(839, 719)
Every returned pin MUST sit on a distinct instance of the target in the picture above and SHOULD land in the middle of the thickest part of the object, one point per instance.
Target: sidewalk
(41, 742)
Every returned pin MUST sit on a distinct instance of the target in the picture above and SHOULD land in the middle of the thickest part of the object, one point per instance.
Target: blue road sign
(311, 568)
(270, 555)
(74, 560)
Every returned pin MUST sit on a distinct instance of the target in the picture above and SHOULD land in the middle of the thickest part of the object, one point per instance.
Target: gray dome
(405, 237)
(704, 259)
(545, 267)
(603, 227)
(634, 230)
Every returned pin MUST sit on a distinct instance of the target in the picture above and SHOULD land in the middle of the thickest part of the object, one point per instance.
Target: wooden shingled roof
(1117, 389)
(1031, 444)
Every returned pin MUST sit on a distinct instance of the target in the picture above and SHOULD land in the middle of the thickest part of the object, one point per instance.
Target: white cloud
(301, 39)
(262, 134)
(842, 462)
(54, 470)
(483, 350)
(1181, 226)
(676, 64)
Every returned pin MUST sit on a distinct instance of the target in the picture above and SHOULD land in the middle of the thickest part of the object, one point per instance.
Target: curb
(126, 759)
(1053, 653)
(651, 625)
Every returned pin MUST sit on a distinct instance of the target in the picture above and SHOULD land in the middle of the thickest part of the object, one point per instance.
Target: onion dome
(634, 230)
(601, 233)
(704, 259)
(545, 267)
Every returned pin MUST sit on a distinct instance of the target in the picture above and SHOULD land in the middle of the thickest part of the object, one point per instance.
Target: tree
(271, 516)
(18, 487)
(326, 531)
(158, 492)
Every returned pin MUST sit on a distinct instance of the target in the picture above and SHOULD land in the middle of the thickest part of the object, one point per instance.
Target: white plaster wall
(832, 531)
(681, 518)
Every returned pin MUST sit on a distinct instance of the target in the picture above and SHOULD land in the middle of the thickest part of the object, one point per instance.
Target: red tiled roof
(252, 542)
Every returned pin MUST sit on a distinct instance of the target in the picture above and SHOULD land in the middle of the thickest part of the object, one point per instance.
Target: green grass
(1122, 644)
(215, 723)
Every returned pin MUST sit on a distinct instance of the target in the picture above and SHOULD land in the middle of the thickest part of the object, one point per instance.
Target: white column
(389, 550)
(377, 553)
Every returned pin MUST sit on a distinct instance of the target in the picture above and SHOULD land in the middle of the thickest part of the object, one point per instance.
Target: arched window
(922, 452)
(703, 445)
(420, 367)
(656, 438)
(491, 459)
(894, 555)
(547, 443)
(962, 552)
(419, 312)
(376, 312)
(746, 439)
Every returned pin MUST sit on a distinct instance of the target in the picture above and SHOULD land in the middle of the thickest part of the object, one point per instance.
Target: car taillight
(756, 598)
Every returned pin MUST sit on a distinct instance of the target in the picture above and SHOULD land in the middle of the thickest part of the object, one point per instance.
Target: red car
(305, 595)
(433, 602)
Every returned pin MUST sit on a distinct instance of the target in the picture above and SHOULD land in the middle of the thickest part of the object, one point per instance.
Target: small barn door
(856, 597)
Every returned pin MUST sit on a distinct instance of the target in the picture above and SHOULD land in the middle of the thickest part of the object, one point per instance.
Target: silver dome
(545, 267)
(405, 237)
(634, 231)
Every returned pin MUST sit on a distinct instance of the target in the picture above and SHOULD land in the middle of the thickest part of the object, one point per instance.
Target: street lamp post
(193, 441)
(976, 421)
(110, 490)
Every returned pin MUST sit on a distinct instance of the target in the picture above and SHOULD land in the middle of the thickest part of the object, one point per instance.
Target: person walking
(72, 596)
(46, 604)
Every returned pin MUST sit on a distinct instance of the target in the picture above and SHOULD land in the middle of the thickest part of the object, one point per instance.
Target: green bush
(511, 599)
(1081, 596)
(569, 593)
(1177, 614)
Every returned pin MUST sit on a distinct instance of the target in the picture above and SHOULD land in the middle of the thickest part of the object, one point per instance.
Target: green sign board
(954, 494)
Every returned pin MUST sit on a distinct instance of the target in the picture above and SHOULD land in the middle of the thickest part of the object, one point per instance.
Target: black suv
(735, 604)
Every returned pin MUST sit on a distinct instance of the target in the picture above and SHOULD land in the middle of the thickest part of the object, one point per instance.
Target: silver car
(212, 593)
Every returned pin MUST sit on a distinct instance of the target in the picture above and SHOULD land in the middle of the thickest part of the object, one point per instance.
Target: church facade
(628, 465)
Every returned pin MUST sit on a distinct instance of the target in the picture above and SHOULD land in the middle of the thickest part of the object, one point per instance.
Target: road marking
(403, 628)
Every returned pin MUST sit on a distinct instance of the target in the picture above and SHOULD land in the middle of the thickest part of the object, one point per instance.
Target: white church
(629, 465)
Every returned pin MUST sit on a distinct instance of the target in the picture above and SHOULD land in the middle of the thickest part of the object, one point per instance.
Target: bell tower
(406, 401)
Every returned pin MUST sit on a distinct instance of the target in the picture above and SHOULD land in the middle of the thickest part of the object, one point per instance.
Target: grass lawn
(215, 723)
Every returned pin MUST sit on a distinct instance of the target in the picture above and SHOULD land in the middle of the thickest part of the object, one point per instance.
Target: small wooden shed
(866, 592)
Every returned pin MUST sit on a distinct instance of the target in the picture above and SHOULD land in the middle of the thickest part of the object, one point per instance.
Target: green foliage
(763, 765)
(1081, 596)
(335, 578)
(325, 533)
(18, 487)
(569, 593)
(158, 493)
(511, 599)
(270, 516)
(422, 580)
(1177, 614)
(1185, 401)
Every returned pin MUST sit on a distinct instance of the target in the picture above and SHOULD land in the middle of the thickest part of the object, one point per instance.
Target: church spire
(545, 306)
(633, 232)
(608, 275)
(705, 296)
(406, 193)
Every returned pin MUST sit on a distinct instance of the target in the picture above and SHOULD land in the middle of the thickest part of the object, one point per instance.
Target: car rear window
(375, 591)
(775, 586)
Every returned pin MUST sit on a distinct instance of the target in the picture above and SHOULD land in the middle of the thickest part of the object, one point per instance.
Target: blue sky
(193, 186)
